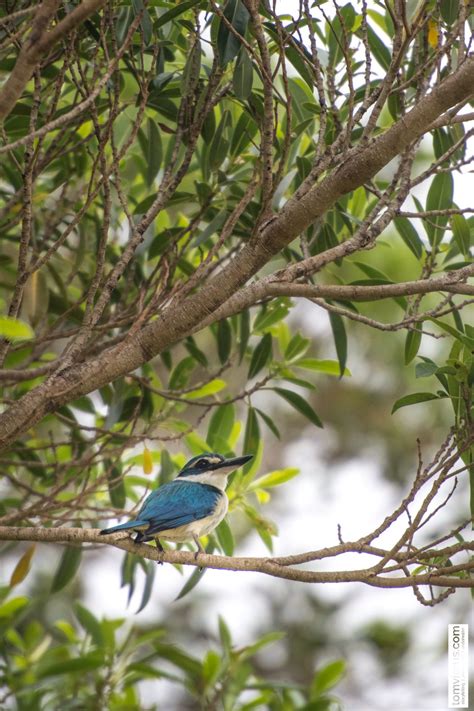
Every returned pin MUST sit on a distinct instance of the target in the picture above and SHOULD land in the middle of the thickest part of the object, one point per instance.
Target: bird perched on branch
(190, 506)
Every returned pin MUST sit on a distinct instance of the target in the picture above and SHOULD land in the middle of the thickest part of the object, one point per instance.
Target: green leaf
(409, 235)
(300, 65)
(219, 145)
(299, 404)
(413, 399)
(440, 197)
(179, 378)
(269, 423)
(195, 577)
(175, 12)
(89, 623)
(166, 467)
(147, 590)
(244, 332)
(412, 344)
(449, 11)
(224, 340)
(251, 436)
(123, 22)
(228, 45)
(195, 351)
(89, 662)
(243, 75)
(330, 367)
(225, 537)
(67, 568)
(210, 667)
(191, 582)
(116, 487)
(379, 49)
(459, 335)
(8, 609)
(215, 386)
(145, 23)
(461, 233)
(224, 635)
(275, 478)
(424, 370)
(15, 330)
(340, 340)
(296, 347)
(327, 677)
(220, 426)
(261, 355)
(150, 143)
(272, 314)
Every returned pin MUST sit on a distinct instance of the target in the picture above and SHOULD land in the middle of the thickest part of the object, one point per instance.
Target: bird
(190, 506)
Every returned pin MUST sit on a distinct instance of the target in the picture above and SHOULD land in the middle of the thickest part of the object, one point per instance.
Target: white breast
(198, 528)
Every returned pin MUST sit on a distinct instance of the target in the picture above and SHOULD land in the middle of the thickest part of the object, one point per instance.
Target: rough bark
(362, 163)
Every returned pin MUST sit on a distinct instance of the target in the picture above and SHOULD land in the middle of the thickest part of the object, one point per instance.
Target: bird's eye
(201, 463)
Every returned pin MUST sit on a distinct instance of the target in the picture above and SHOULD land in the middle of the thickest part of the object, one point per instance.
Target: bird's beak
(229, 465)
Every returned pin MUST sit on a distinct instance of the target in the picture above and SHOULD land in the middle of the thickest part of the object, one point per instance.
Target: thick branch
(183, 318)
(267, 566)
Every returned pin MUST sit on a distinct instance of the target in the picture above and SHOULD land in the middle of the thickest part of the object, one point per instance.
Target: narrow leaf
(67, 568)
(89, 623)
(340, 340)
(269, 423)
(244, 333)
(300, 404)
(276, 478)
(116, 488)
(243, 76)
(228, 44)
(225, 537)
(224, 340)
(409, 235)
(413, 399)
(412, 344)
(147, 590)
(260, 356)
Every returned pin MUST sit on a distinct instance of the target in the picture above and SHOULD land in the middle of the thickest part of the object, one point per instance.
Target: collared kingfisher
(190, 506)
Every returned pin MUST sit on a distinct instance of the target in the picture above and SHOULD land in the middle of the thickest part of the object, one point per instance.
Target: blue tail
(125, 526)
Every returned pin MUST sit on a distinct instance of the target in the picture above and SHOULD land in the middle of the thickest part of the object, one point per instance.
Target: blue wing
(177, 504)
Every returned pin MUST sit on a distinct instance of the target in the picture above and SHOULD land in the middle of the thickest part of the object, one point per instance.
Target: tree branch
(38, 45)
(267, 566)
(181, 319)
(451, 282)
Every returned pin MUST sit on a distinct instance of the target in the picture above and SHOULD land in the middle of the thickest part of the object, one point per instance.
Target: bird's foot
(161, 550)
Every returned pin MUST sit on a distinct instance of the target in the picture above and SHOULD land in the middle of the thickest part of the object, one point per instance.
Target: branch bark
(275, 567)
(183, 318)
(451, 282)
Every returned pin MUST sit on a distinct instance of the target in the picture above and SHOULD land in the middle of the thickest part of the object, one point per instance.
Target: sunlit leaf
(15, 330)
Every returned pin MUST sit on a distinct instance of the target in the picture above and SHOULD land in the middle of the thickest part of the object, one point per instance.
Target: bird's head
(211, 468)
